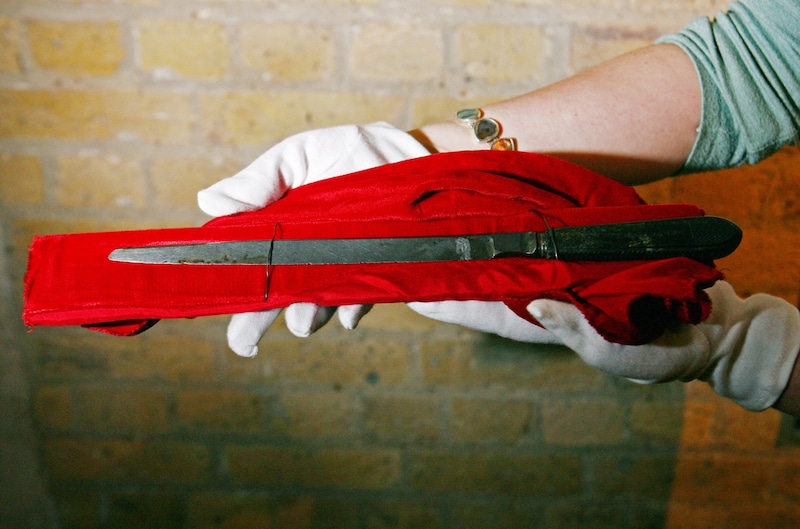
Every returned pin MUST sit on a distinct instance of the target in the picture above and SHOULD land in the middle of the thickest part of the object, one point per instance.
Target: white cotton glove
(301, 159)
(745, 350)
(492, 317)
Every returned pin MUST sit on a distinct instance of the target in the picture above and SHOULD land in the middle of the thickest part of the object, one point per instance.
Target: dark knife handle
(701, 238)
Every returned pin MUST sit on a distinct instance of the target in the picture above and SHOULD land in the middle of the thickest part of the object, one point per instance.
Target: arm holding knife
(718, 94)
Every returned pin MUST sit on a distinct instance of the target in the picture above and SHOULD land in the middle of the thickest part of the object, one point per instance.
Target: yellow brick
(505, 364)
(657, 421)
(595, 45)
(432, 109)
(221, 508)
(412, 420)
(75, 354)
(625, 473)
(78, 48)
(292, 52)
(356, 468)
(219, 411)
(215, 508)
(369, 363)
(96, 115)
(175, 359)
(120, 410)
(9, 45)
(497, 473)
(396, 317)
(181, 48)
(321, 2)
(464, 2)
(253, 370)
(316, 361)
(501, 53)
(579, 4)
(578, 422)
(383, 52)
(271, 2)
(708, 6)
(67, 359)
(100, 181)
(176, 181)
(148, 508)
(119, 460)
(21, 180)
(315, 415)
(476, 420)
(260, 118)
(79, 508)
(52, 407)
(142, 2)
(488, 514)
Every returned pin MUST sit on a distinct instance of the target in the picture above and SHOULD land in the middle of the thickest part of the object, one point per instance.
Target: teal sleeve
(748, 63)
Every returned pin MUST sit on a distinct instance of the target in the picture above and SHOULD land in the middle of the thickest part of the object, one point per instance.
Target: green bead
(469, 114)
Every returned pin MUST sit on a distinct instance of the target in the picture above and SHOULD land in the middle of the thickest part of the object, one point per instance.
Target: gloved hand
(745, 350)
(301, 159)
(492, 317)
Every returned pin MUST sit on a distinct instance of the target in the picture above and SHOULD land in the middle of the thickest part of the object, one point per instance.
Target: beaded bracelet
(487, 130)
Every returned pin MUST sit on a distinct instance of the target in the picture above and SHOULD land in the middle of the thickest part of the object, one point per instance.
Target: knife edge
(315, 251)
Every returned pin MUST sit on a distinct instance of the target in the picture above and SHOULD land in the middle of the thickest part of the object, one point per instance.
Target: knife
(700, 238)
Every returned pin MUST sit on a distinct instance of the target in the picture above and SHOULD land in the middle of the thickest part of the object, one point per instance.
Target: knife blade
(700, 238)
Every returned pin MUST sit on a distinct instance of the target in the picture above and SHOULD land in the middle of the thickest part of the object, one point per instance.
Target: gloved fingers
(350, 315)
(308, 157)
(485, 316)
(678, 354)
(269, 176)
(246, 329)
(303, 319)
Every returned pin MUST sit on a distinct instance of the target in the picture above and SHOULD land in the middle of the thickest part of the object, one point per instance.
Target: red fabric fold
(70, 281)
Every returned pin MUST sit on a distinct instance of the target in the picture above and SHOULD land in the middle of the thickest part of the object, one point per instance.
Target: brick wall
(114, 113)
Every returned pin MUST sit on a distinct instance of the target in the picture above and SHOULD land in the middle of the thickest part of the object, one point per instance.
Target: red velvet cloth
(70, 281)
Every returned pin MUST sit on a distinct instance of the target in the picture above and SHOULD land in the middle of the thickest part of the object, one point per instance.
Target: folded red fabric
(70, 280)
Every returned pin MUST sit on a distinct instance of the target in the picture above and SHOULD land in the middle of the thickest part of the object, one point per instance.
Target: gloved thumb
(569, 325)
(492, 317)
(679, 354)
(248, 190)
(565, 321)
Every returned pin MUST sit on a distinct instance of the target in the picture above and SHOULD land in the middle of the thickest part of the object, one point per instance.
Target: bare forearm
(633, 119)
